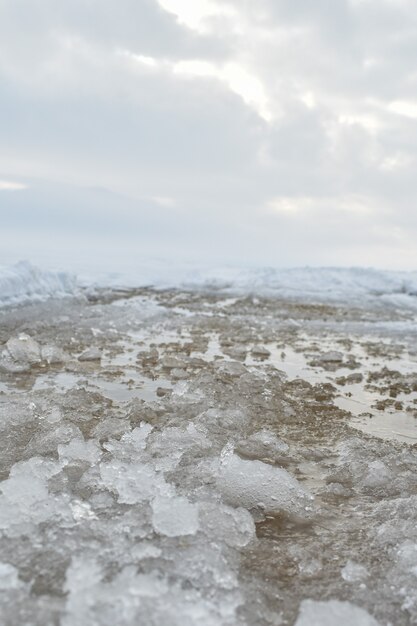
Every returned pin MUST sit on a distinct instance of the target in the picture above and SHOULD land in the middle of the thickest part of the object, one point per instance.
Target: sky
(267, 132)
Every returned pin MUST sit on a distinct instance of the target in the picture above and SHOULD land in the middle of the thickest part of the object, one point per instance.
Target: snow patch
(23, 282)
(333, 612)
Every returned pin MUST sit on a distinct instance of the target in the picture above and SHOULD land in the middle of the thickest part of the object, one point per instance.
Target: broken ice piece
(90, 354)
(9, 365)
(255, 485)
(9, 577)
(223, 523)
(333, 612)
(24, 349)
(354, 572)
(234, 369)
(174, 516)
(261, 352)
(52, 354)
(171, 362)
(263, 443)
(331, 357)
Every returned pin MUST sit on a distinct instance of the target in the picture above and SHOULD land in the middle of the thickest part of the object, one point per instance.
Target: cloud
(9, 185)
(262, 124)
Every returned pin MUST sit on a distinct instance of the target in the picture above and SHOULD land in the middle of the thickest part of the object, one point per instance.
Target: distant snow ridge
(356, 285)
(23, 282)
(323, 283)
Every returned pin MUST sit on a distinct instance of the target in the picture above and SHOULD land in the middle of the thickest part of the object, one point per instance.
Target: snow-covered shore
(357, 286)
(23, 282)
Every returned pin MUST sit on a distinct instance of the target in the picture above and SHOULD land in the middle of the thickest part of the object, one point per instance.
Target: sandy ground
(328, 394)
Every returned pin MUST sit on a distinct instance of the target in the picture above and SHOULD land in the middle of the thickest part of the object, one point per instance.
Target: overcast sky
(279, 132)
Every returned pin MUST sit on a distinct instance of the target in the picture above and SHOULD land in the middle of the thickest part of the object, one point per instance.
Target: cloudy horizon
(270, 133)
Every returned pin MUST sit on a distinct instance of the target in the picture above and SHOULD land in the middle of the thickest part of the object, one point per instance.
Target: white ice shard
(223, 523)
(333, 612)
(354, 572)
(174, 517)
(79, 450)
(134, 482)
(52, 354)
(24, 349)
(169, 445)
(331, 357)
(131, 444)
(257, 485)
(263, 443)
(90, 354)
(261, 351)
(9, 577)
(234, 369)
(25, 499)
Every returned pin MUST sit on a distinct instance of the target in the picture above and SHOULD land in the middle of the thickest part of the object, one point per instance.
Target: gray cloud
(90, 96)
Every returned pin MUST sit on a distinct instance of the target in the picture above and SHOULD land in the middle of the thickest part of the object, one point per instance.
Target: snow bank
(354, 285)
(358, 286)
(24, 283)
(321, 284)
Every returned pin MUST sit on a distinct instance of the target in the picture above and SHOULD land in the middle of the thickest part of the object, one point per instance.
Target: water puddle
(357, 399)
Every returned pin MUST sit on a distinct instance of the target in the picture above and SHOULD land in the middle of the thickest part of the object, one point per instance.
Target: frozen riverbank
(188, 457)
(354, 286)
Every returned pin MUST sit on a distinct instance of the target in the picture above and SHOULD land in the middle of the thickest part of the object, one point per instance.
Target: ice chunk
(8, 364)
(131, 443)
(47, 441)
(79, 450)
(263, 443)
(52, 354)
(257, 485)
(233, 420)
(174, 517)
(25, 498)
(234, 369)
(171, 362)
(331, 357)
(169, 445)
(333, 612)
(111, 427)
(145, 550)
(179, 374)
(407, 556)
(261, 352)
(134, 482)
(23, 349)
(9, 577)
(82, 510)
(223, 523)
(377, 475)
(354, 572)
(90, 354)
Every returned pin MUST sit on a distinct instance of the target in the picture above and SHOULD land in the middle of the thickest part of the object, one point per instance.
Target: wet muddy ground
(181, 381)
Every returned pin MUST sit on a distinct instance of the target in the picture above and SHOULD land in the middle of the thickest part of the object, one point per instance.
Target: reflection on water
(358, 400)
(120, 377)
